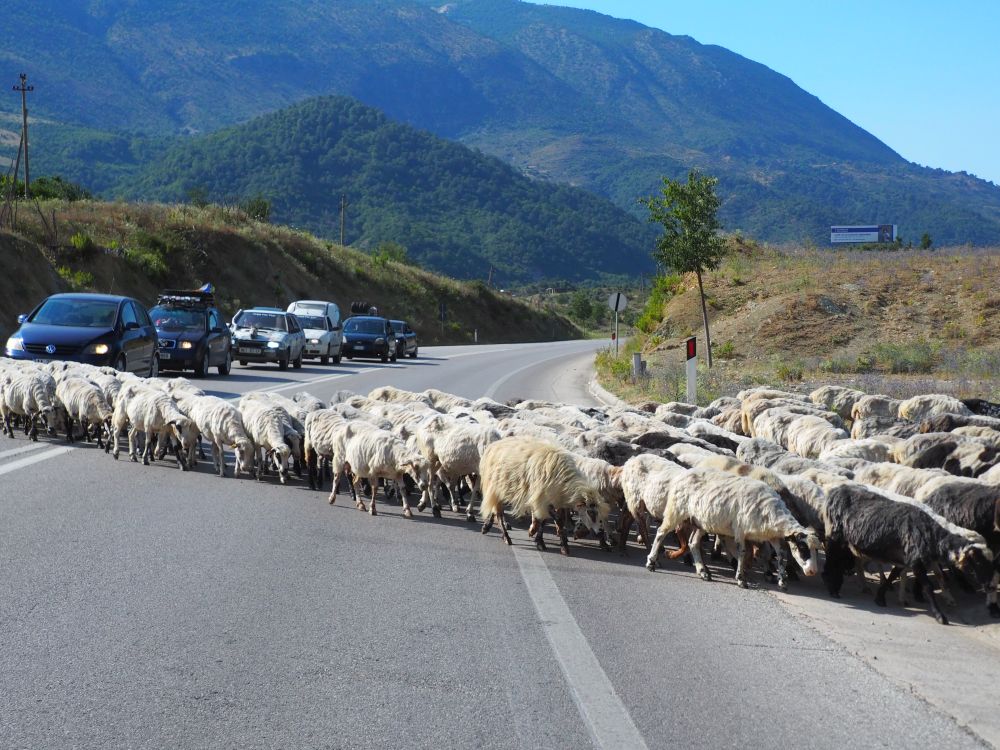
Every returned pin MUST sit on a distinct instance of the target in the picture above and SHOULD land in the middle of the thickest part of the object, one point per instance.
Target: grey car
(267, 334)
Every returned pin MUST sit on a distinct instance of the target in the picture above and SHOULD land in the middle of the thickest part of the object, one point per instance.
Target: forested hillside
(455, 210)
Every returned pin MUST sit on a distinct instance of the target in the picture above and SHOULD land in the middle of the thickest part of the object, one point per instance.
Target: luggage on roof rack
(187, 297)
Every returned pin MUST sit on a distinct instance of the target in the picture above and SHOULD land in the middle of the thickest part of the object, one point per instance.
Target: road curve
(147, 607)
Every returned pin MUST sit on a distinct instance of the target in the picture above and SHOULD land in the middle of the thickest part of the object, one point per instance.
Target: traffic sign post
(617, 302)
(692, 370)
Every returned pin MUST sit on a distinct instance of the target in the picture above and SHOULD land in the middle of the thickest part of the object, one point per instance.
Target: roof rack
(186, 298)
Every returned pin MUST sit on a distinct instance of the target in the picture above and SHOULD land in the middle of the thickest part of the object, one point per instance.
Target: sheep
(220, 423)
(154, 414)
(762, 452)
(607, 448)
(731, 420)
(715, 435)
(745, 509)
(608, 481)
(992, 477)
(768, 393)
(875, 406)
(375, 454)
(752, 409)
(453, 452)
(272, 434)
(874, 450)
(873, 426)
(645, 482)
(860, 521)
(30, 395)
(177, 386)
(391, 394)
(308, 402)
(446, 402)
(956, 454)
(535, 477)
(921, 407)
(85, 402)
(982, 407)
(836, 398)
(809, 436)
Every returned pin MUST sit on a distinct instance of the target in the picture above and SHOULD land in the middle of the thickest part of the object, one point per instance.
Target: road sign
(869, 233)
(617, 302)
(692, 370)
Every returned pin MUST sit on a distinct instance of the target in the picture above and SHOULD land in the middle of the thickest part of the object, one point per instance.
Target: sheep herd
(862, 483)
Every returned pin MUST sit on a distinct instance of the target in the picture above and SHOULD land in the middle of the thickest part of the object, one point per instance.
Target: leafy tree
(197, 196)
(925, 241)
(690, 242)
(580, 306)
(257, 208)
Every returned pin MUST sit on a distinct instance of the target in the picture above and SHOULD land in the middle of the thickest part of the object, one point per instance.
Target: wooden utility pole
(24, 88)
(489, 281)
(343, 214)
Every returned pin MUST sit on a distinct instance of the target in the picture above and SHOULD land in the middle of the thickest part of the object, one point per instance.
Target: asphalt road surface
(148, 607)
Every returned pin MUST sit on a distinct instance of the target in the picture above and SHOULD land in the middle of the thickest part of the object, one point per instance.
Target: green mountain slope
(570, 95)
(455, 210)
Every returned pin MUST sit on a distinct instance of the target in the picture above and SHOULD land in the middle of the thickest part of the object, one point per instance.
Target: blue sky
(923, 76)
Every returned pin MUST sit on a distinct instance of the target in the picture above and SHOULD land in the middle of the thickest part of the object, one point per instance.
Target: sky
(923, 76)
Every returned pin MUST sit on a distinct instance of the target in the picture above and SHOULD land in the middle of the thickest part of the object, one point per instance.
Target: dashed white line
(609, 722)
(22, 449)
(20, 464)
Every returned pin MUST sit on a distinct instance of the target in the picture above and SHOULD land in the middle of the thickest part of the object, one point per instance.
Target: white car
(321, 326)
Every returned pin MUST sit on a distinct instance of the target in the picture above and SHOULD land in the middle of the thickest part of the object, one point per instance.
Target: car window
(268, 321)
(213, 320)
(67, 311)
(293, 324)
(143, 315)
(363, 325)
(128, 314)
(177, 318)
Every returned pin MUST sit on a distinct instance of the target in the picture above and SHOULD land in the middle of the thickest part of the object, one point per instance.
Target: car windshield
(263, 320)
(85, 313)
(354, 325)
(177, 319)
(309, 321)
(397, 326)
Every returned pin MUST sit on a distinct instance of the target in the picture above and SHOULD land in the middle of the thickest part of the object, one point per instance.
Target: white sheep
(536, 478)
(155, 415)
(837, 398)
(220, 423)
(85, 402)
(272, 434)
(31, 395)
(810, 435)
(919, 408)
(645, 482)
(377, 454)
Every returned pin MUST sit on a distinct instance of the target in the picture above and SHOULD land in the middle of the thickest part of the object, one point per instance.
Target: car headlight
(273, 345)
(15, 344)
(186, 345)
(379, 341)
(98, 349)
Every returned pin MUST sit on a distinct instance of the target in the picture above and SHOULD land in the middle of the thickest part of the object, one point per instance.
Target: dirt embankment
(137, 249)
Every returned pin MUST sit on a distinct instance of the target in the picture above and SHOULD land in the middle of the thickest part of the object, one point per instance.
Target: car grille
(61, 351)
(168, 344)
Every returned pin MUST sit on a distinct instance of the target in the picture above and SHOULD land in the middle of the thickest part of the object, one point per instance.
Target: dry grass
(901, 323)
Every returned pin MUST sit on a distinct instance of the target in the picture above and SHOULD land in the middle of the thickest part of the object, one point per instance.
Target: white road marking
(22, 449)
(609, 722)
(15, 465)
(496, 386)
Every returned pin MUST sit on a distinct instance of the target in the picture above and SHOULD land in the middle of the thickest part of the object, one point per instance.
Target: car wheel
(413, 354)
(283, 364)
(201, 369)
(297, 364)
(325, 359)
(394, 357)
(243, 363)
(349, 356)
(120, 363)
(384, 356)
(226, 366)
(154, 366)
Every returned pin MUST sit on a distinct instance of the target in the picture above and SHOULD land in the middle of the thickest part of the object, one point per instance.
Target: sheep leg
(470, 509)
(624, 525)
(219, 460)
(683, 533)
(533, 528)
(920, 574)
(372, 509)
(657, 546)
(132, 435)
(699, 564)
(404, 495)
(946, 595)
(884, 582)
(743, 551)
(540, 536)
(901, 573)
(991, 593)
(562, 521)
(782, 554)
(488, 524)
(311, 461)
(504, 526)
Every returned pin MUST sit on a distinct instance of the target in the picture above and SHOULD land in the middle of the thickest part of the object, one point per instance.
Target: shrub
(77, 280)
(664, 288)
(257, 208)
(789, 373)
(83, 244)
(726, 351)
(905, 358)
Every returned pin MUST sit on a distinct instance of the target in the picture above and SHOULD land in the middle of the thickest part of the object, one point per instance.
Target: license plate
(42, 361)
(248, 350)
(166, 355)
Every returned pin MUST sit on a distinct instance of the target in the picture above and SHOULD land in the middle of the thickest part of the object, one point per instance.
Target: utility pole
(343, 213)
(24, 88)
(489, 281)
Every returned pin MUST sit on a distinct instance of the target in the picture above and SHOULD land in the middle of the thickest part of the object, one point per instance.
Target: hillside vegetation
(901, 323)
(137, 249)
(455, 210)
(564, 94)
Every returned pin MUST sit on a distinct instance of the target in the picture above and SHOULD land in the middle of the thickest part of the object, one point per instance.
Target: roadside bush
(664, 288)
(77, 281)
(726, 351)
(83, 244)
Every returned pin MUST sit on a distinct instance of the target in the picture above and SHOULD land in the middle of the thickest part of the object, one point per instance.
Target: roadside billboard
(870, 233)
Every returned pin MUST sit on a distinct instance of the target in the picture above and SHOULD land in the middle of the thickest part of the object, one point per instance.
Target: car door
(217, 339)
(411, 339)
(151, 339)
(298, 339)
(132, 339)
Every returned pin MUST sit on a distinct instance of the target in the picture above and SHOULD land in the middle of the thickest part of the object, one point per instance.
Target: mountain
(563, 94)
(456, 210)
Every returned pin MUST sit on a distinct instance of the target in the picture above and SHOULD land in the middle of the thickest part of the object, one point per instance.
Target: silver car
(268, 334)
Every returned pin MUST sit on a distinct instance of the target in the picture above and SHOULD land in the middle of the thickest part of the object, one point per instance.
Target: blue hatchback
(99, 329)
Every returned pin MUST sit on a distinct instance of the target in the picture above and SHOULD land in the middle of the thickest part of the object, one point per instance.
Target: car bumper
(98, 360)
(363, 350)
(252, 354)
(177, 359)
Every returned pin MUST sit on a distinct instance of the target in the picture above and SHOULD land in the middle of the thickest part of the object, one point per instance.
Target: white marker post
(692, 370)
(617, 302)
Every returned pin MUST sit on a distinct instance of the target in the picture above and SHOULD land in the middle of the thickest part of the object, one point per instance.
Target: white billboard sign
(869, 233)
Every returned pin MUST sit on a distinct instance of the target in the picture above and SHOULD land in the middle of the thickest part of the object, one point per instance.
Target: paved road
(146, 607)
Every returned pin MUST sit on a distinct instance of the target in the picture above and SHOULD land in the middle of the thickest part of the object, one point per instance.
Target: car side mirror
(218, 330)
(22, 318)
(131, 326)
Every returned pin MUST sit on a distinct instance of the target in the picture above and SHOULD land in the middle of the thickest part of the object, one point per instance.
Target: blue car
(99, 329)
(369, 336)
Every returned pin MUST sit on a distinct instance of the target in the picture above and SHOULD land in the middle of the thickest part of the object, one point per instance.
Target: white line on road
(22, 449)
(608, 720)
(496, 386)
(15, 465)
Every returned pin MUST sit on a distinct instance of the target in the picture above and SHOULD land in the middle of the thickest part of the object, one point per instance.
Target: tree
(580, 306)
(690, 242)
(925, 241)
